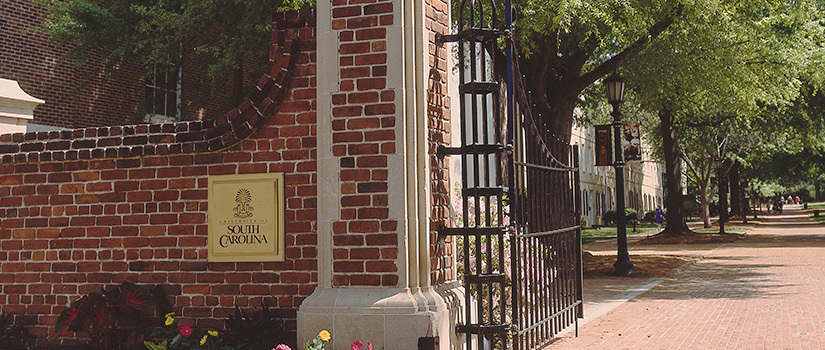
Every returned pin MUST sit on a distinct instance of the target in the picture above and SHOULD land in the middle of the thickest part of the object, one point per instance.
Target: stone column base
(390, 318)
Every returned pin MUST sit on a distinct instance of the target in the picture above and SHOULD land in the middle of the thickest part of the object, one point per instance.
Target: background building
(78, 97)
(644, 182)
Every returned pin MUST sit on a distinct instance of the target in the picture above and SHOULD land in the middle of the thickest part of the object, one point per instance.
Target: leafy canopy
(223, 33)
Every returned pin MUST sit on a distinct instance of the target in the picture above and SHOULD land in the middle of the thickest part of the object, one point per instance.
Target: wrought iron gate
(520, 233)
(546, 269)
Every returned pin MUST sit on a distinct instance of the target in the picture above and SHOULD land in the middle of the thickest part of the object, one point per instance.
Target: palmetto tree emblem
(244, 208)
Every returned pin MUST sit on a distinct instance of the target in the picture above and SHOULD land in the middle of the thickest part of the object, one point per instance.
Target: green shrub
(630, 216)
(13, 335)
(112, 319)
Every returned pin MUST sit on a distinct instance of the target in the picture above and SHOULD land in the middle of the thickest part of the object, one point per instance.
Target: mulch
(647, 266)
(690, 238)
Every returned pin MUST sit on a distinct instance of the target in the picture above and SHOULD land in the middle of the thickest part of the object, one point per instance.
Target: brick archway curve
(209, 135)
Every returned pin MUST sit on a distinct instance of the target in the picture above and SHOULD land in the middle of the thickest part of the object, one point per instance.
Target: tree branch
(614, 62)
(716, 122)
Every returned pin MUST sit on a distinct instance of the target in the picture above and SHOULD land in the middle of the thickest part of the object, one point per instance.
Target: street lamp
(615, 95)
(746, 198)
(723, 202)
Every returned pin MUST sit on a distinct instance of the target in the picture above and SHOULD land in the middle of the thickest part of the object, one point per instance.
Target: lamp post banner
(603, 150)
(631, 143)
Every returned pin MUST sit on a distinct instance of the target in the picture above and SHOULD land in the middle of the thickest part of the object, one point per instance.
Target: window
(162, 95)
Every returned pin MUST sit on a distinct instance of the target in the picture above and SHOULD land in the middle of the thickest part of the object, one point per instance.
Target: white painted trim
(10, 90)
(16, 107)
(329, 187)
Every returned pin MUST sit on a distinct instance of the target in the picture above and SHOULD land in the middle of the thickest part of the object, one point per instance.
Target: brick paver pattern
(766, 291)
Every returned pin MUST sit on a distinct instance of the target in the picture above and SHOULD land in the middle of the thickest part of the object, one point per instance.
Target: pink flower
(185, 330)
(369, 345)
(356, 345)
(282, 347)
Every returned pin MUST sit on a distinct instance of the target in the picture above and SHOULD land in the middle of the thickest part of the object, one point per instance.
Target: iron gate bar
(543, 167)
(546, 289)
(477, 151)
(470, 149)
(549, 233)
(542, 193)
(475, 231)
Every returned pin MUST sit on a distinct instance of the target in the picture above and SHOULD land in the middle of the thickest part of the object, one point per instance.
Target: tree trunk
(554, 98)
(704, 201)
(735, 198)
(673, 183)
(724, 214)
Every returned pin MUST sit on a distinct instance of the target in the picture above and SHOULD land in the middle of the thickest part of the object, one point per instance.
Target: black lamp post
(723, 202)
(746, 199)
(615, 95)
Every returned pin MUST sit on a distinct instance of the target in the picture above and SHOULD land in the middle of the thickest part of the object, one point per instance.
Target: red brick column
(363, 135)
(382, 84)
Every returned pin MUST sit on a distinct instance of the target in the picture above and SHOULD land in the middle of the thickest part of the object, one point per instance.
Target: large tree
(223, 34)
(566, 46)
(792, 151)
(721, 64)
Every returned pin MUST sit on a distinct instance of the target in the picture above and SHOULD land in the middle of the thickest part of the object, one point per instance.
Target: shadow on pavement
(719, 280)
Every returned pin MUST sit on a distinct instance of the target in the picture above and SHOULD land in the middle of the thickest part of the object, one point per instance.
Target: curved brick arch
(212, 134)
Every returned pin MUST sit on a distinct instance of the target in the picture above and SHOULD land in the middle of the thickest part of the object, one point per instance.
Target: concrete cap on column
(16, 107)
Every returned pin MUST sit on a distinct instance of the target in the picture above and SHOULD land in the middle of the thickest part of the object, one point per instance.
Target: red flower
(356, 345)
(185, 331)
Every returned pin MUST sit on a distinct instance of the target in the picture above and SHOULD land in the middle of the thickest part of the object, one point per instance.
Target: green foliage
(13, 335)
(258, 331)
(113, 319)
(222, 34)
(181, 337)
(152, 346)
(319, 341)
(630, 216)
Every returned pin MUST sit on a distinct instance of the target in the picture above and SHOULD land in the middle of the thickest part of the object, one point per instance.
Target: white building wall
(16, 107)
(643, 182)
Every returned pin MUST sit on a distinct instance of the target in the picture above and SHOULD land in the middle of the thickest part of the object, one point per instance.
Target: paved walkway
(766, 291)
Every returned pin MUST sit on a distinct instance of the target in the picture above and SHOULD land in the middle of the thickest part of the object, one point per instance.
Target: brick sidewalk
(766, 291)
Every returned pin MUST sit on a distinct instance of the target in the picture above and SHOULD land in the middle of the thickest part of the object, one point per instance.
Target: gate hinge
(428, 343)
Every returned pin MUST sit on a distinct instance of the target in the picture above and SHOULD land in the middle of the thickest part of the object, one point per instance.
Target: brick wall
(79, 97)
(92, 207)
(365, 240)
(438, 126)
(75, 97)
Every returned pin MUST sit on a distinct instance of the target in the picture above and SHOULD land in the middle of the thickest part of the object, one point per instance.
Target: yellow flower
(213, 333)
(203, 341)
(169, 319)
(169, 315)
(324, 335)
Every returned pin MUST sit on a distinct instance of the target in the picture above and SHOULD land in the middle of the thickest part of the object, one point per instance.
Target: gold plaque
(246, 217)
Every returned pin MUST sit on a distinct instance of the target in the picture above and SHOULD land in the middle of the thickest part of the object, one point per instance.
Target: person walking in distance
(659, 216)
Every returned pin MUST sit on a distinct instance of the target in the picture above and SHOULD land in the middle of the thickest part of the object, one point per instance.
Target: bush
(256, 332)
(113, 319)
(609, 217)
(13, 335)
(122, 318)
(630, 216)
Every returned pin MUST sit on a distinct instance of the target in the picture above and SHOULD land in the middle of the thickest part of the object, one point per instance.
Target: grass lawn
(729, 228)
(821, 207)
(816, 205)
(607, 232)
